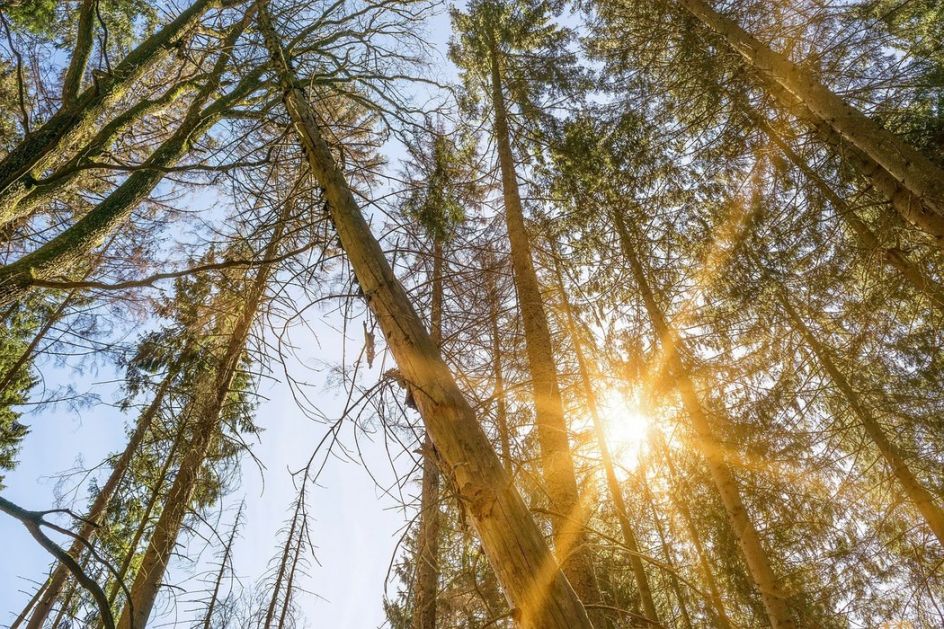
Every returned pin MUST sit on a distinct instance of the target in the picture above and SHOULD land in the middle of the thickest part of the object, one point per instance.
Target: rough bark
(920, 497)
(84, 39)
(557, 465)
(536, 588)
(758, 562)
(907, 165)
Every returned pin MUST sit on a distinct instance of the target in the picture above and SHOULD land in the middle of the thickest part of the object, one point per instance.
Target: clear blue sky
(354, 527)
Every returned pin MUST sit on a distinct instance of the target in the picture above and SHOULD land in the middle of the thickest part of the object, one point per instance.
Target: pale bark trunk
(557, 465)
(916, 172)
(616, 492)
(758, 562)
(536, 588)
(291, 578)
(218, 582)
(283, 564)
(426, 586)
(92, 520)
(920, 497)
(694, 536)
(893, 257)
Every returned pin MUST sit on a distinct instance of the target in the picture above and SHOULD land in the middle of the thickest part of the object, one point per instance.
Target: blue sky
(355, 528)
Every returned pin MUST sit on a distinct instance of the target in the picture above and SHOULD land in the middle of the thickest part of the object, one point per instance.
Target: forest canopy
(626, 314)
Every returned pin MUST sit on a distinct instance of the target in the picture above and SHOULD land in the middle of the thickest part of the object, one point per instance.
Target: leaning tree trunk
(758, 561)
(210, 390)
(675, 495)
(71, 246)
(616, 492)
(283, 564)
(557, 465)
(501, 407)
(84, 40)
(536, 588)
(80, 116)
(919, 496)
(92, 520)
(218, 581)
(426, 585)
(895, 258)
(899, 159)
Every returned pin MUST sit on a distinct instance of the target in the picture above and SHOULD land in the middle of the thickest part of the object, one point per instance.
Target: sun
(627, 426)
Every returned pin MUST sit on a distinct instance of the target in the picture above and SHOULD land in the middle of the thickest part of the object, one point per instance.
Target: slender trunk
(557, 465)
(84, 39)
(501, 408)
(666, 550)
(291, 578)
(426, 585)
(210, 391)
(81, 115)
(152, 503)
(758, 562)
(922, 499)
(907, 165)
(681, 506)
(283, 564)
(99, 506)
(616, 492)
(537, 590)
(29, 351)
(29, 605)
(218, 582)
(893, 257)
(63, 251)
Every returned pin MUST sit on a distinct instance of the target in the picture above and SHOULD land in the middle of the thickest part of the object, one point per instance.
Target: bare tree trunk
(920, 497)
(893, 257)
(283, 564)
(218, 582)
(666, 550)
(299, 544)
(99, 506)
(536, 588)
(426, 584)
(616, 492)
(758, 561)
(907, 165)
(681, 506)
(557, 465)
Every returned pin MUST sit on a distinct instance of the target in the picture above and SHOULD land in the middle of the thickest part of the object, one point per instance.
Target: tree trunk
(291, 578)
(893, 257)
(758, 562)
(218, 582)
(616, 492)
(81, 116)
(84, 40)
(557, 465)
(283, 564)
(920, 497)
(63, 251)
(537, 590)
(426, 586)
(210, 391)
(96, 512)
(501, 408)
(908, 166)
(723, 622)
